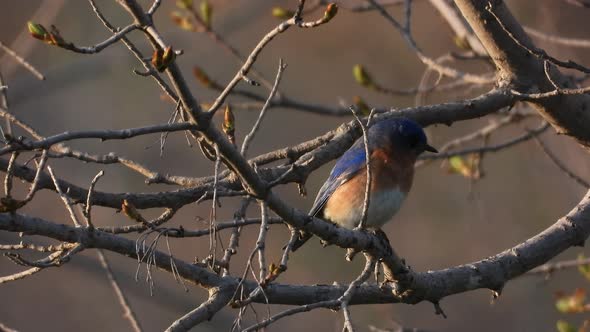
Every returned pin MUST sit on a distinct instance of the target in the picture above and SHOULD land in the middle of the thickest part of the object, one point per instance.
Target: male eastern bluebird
(394, 145)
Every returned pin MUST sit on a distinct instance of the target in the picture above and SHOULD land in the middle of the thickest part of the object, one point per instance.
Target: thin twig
(492, 148)
(100, 46)
(182, 232)
(406, 34)
(218, 38)
(537, 52)
(127, 311)
(87, 210)
(146, 64)
(549, 268)
(234, 240)
(261, 241)
(4, 107)
(561, 165)
(19, 275)
(552, 93)
(572, 42)
(481, 133)
(213, 216)
(9, 171)
(31, 246)
(22, 61)
(33, 270)
(5, 328)
(35, 184)
(343, 299)
(271, 95)
(103, 135)
(155, 5)
(64, 198)
(365, 214)
(241, 74)
(288, 248)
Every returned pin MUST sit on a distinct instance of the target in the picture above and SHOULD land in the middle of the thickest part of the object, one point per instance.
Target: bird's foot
(350, 253)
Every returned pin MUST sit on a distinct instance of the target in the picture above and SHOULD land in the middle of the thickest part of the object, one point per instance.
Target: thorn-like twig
(64, 198)
(560, 164)
(127, 311)
(271, 95)
(22, 61)
(87, 210)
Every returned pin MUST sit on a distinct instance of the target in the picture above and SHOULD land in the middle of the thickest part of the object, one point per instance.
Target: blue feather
(351, 162)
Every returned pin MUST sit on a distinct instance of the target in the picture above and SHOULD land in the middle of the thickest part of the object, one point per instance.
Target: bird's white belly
(382, 206)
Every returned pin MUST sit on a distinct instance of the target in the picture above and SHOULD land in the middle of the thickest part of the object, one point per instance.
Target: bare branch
(271, 95)
(218, 38)
(146, 64)
(127, 311)
(367, 200)
(405, 31)
(100, 46)
(549, 268)
(491, 273)
(64, 198)
(327, 147)
(88, 209)
(510, 47)
(19, 275)
(282, 27)
(155, 5)
(218, 298)
(22, 61)
(8, 177)
(6, 328)
(254, 179)
(457, 23)
(33, 270)
(99, 134)
(572, 42)
(560, 164)
(493, 148)
(31, 246)
(37, 178)
(539, 53)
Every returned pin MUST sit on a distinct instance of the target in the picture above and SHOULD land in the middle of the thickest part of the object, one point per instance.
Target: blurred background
(447, 219)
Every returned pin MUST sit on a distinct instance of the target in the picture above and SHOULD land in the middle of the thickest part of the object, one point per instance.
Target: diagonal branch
(492, 273)
(218, 298)
(509, 47)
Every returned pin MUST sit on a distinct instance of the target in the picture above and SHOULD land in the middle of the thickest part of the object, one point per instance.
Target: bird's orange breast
(391, 180)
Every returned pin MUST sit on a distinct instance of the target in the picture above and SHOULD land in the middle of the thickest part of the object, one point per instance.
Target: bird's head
(406, 135)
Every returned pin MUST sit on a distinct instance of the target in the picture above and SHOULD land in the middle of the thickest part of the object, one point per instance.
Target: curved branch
(492, 273)
(103, 135)
(98, 239)
(510, 48)
(100, 46)
(219, 297)
(310, 155)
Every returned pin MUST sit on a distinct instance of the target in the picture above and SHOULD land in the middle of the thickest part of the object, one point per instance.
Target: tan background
(445, 221)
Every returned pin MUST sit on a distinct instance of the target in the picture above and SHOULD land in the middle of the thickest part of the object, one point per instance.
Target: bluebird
(394, 146)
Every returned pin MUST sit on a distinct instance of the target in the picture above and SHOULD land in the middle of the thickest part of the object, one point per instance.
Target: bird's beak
(430, 148)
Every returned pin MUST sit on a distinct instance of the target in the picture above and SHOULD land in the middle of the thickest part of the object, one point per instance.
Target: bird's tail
(302, 237)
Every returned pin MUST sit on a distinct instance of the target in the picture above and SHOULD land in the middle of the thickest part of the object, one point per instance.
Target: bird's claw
(350, 253)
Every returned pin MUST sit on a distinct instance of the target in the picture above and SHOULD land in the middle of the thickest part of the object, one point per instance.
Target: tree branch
(508, 46)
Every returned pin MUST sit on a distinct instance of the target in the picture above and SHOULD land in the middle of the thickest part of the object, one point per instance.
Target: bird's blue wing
(351, 162)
